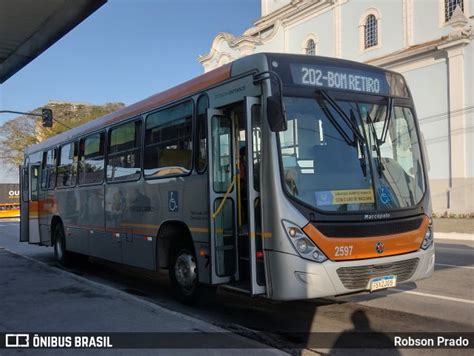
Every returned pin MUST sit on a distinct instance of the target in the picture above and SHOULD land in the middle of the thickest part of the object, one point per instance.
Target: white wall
(391, 25)
(431, 101)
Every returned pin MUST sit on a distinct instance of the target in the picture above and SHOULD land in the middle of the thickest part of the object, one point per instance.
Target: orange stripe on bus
(364, 247)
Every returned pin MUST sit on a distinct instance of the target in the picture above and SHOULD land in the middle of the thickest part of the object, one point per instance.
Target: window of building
(67, 165)
(311, 47)
(91, 161)
(201, 156)
(124, 152)
(48, 170)
(450, 6)
(370, 31)
(168, 141)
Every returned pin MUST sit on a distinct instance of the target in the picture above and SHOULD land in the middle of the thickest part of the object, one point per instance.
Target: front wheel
(184, 276)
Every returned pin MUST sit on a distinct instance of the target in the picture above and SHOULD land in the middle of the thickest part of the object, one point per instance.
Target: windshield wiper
(334, 122)
(352, 125)
(376, 146)
(383, 137)
(361, 147)
(386, 124)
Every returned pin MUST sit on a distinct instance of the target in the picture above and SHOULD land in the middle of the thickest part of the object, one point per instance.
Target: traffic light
(47, 115)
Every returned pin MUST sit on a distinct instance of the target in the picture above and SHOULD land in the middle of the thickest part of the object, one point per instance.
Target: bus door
(24, 198)
(234, 186)
(222, 197)
(252, 203)
(29, 225)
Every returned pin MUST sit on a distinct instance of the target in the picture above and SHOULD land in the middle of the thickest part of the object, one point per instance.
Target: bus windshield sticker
(173, 201)
(384, 195)
(338, 197)
(364, 81)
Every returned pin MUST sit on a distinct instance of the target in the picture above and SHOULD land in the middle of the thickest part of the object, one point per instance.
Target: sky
(124, 52)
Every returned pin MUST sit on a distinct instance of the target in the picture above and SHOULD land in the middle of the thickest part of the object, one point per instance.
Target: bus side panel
(33, 225)
(67, 207)
(92, 219)
(77, 240)
(46, 206)
(196, 213)
(127, 211)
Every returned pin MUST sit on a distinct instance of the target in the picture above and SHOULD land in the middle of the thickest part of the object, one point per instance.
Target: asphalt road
(444, 303)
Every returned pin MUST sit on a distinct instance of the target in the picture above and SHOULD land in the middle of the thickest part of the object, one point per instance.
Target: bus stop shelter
(29, 27)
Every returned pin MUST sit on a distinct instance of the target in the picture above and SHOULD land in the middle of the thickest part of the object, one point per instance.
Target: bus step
(238, 287)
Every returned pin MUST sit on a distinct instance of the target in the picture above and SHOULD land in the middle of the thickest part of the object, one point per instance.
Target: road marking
(455, 266)
(435, 296)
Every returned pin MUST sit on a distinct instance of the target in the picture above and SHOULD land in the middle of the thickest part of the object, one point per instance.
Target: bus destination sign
(342, 78)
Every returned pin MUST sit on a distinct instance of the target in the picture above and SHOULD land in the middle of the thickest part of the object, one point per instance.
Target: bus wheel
(62, 256)
(184, 276)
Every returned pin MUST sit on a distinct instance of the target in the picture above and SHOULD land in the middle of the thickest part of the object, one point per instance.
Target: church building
(429, 41)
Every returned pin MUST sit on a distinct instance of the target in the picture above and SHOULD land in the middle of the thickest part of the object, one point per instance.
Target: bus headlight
(428, 239)
(302, 243)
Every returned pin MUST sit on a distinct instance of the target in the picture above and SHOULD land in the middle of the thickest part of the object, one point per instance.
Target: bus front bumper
(293, 277)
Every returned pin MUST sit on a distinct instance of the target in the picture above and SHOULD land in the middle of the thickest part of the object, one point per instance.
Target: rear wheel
(64, 257)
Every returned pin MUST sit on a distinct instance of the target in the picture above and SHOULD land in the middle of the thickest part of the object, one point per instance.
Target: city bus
(277, 175)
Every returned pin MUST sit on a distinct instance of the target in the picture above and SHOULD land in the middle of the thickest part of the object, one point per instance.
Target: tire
(183, 274)
(63, 257)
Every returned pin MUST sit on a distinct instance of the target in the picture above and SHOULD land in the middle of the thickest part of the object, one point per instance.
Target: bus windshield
(340, 158)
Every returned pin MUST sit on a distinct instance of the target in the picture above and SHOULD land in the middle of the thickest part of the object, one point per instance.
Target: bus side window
(34, 182)
(123, 153)
(91, 162)
(48, 170)
(201, 144)
(168, 141)
(66, 165)
(24, 185)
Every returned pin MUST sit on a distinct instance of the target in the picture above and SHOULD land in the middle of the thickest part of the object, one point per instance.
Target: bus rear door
(29, 224)
(24, 198)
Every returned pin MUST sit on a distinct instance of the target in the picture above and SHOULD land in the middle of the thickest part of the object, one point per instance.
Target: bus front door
(222, 195)
(236, 248)
(252, 204)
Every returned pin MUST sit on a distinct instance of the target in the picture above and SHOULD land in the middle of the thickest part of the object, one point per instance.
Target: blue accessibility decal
(384, 195)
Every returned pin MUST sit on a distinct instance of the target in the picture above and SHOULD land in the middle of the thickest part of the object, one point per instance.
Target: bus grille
(358, 277)
(367, 229)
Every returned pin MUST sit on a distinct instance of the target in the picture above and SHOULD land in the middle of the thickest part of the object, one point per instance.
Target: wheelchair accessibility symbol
(173, 201)
(384, 195)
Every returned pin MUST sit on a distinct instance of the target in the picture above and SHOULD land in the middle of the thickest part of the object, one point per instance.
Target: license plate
(383, 282)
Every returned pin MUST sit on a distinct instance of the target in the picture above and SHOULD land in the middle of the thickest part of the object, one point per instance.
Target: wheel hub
(59, 249)
(185, 271)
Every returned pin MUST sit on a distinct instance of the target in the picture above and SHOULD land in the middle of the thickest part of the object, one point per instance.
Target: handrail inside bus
(226, 195)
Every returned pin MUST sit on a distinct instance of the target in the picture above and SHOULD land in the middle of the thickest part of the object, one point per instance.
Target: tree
(18, 133)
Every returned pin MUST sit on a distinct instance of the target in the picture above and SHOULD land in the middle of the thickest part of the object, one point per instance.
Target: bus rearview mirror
(276, 114)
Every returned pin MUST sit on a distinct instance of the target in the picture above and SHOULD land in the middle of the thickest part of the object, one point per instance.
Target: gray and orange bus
(279, 175)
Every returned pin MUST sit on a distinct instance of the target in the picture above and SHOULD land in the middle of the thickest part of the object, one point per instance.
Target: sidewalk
(453, 229)
(37, 298)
